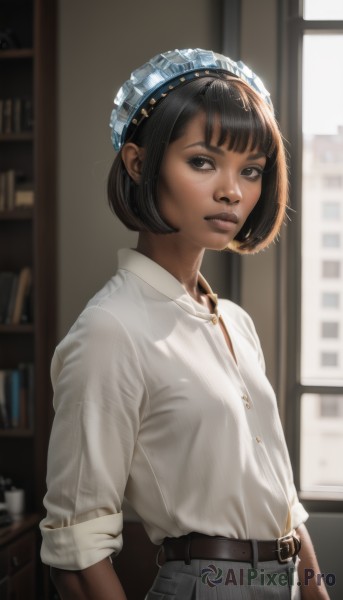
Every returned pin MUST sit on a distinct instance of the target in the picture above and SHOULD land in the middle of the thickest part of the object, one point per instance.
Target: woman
(160, 391)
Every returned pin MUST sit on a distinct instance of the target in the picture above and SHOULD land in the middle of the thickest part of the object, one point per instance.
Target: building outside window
(331, 210)
(330, 329)
(315, 344)
(331, 269)
(331, 240)
(330, 300)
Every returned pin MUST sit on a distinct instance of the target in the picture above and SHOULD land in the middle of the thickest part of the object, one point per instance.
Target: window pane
(331, 210)
(331, 240)
(332, 181)
(328, 359)
(330, 300)
(323, 10)
(321, 442)
(330, 329)
(322, 212)
(331, 269)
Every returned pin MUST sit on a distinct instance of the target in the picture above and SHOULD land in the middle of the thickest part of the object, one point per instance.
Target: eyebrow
(217, 150)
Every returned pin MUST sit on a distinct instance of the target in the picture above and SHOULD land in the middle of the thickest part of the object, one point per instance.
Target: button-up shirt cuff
(299, 515)
(82, 545)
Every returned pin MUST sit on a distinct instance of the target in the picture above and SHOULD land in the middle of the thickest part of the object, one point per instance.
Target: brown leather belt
(198, 545)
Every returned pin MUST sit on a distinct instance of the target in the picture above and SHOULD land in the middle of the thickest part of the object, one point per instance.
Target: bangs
(244, 122)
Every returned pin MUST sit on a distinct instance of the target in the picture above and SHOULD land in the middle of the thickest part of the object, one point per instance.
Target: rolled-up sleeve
(99, 400)
(298, 513)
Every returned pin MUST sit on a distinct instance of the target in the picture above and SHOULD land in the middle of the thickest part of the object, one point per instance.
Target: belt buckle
(289, 546)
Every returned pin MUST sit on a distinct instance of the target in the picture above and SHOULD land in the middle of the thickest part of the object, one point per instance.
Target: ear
(132, 157)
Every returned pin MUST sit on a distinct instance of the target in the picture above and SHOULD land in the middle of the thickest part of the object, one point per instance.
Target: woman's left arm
(312, 584)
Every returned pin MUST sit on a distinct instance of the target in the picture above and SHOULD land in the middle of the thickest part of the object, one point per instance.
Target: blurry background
(99, 45)
(293, 290)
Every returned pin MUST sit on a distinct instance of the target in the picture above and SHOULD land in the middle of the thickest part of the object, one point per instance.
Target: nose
(228, 191)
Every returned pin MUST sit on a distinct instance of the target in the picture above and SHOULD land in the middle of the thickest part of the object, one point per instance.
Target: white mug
(15, 502)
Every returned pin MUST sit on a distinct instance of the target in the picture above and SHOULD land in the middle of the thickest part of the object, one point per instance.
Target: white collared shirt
(151, 405)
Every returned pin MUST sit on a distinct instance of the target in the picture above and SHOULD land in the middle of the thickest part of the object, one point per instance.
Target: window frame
(297, 27)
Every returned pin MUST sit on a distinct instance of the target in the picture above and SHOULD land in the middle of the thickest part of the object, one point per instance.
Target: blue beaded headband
(161, 74)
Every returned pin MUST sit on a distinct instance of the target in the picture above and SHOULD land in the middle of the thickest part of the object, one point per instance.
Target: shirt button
(246, 400)
(258, 439)
(214, 320)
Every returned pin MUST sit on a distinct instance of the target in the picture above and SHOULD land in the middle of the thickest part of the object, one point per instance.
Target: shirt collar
(165, 283)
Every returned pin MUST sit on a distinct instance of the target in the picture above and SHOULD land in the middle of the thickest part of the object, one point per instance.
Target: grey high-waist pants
(225, 580)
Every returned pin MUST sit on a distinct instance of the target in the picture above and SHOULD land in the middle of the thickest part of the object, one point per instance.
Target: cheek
(173, 193)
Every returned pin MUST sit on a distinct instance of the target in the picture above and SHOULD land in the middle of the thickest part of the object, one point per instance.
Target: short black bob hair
(246, 123)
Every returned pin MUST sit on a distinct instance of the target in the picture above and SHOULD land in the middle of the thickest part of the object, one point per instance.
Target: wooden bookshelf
(19, 329)
(18, 563)
(28, 238)
(16, 53)
(24, 136)
(16, 433)
(19, 214)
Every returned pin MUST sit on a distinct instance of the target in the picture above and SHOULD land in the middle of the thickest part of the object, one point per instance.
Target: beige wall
(258, 277)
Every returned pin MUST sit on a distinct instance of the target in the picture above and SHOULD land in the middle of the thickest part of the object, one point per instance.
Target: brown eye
(252, 173)
(201, 163)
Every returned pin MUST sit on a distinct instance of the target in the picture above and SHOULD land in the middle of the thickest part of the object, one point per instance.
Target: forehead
(199, 130)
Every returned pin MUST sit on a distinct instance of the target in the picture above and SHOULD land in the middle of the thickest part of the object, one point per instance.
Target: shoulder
(111, 307)
(102, 323)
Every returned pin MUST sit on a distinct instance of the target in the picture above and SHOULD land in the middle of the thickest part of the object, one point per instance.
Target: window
(321, 442)
(319, 10)
(331, 406)
(331, 240)
(332, 181)
(330, 329)
(330, 300)
(331, 211)
(314, 277)
(331, 269)
(329, 359)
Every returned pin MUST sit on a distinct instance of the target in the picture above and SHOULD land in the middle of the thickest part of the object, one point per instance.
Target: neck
(182, 261)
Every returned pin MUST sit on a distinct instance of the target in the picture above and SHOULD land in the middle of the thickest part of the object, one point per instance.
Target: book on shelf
(16, 115)
(17, 397)
(15, 297)
(27, 114)
(24, 195)
(12, 299)
(4, 422)
(22, 291)
(7, 115)
(15, 191)
(6, 283)
(2, 192)
(1, 115)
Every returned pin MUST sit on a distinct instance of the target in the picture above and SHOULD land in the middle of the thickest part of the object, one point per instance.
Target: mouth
(223, 220)
(223, 217)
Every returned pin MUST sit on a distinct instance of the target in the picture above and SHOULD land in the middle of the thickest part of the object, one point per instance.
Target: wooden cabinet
(18, 562)
(28, 239)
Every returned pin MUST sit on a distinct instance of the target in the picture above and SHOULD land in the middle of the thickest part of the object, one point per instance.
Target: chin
(219, 247)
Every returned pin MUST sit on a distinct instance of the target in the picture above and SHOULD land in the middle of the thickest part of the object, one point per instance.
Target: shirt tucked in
(151, 404)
